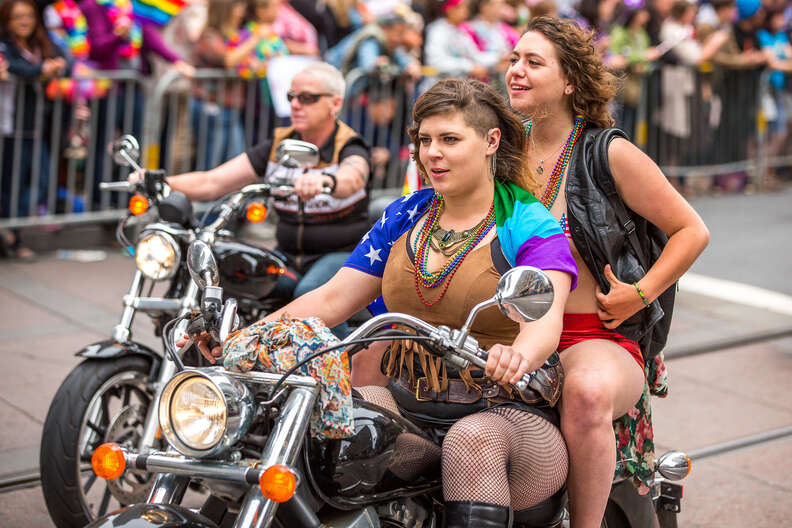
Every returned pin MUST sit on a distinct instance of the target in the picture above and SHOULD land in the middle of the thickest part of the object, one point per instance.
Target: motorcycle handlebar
(118, 186)
(443, 337)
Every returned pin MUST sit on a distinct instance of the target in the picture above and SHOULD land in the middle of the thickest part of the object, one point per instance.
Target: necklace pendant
(447, 236)
(540, 169)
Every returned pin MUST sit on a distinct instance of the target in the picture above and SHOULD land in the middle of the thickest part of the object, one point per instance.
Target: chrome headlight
(157, 255)
(204, 412)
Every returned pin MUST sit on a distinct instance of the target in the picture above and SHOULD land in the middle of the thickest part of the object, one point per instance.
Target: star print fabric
(371, 253)
(528, 234)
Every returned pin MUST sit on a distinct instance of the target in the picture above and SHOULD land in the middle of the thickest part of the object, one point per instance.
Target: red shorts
(580, 327)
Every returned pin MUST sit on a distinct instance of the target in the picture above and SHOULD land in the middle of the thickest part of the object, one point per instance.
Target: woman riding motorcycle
(498, 451)
(319, 238)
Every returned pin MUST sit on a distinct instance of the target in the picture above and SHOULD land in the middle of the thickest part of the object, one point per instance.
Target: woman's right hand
(203, 341)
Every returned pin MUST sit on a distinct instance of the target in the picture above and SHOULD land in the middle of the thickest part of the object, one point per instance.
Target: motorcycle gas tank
(387, 457)
(247, 271)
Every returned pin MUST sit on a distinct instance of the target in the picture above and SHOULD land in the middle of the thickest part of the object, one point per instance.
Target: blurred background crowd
(704, 84)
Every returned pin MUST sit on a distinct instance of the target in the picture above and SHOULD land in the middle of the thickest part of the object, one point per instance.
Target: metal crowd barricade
(218, 113)
(378, 106)
(39, 186)
(702, 123)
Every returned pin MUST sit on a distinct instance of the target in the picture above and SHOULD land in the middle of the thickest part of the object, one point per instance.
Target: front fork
(167, 370)
(283, 446)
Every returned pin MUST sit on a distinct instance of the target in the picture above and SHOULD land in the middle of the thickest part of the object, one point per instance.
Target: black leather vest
(599, 236)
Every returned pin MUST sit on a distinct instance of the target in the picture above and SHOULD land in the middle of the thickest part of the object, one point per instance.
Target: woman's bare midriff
(582, 299)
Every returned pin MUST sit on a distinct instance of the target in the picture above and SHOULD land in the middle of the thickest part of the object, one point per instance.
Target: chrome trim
(122, 331)
(156, 304)
(172, 229)
(238, 472)
(168, 488)
(282, 447)
(167, 370)
(674, 465)
(268, 378)
(239, 404)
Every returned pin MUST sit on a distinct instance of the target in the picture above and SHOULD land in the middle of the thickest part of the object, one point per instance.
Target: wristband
(643, 297)
(335, 182)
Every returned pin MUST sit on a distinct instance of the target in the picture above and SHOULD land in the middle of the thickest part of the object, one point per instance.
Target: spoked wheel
(100, 401)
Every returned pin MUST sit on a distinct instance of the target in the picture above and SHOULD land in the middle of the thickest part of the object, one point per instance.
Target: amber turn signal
(108, 461)
(138, 205)
(278, 483)
(256, 212)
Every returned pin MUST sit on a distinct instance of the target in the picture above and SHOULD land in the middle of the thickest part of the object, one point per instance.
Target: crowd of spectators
(706, 57)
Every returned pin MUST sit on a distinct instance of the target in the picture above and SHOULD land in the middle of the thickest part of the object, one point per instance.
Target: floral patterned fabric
(279, 345)
(634, 434)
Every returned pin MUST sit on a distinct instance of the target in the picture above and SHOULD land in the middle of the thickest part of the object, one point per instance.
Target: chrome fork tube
(167, 370)
(123, 330)
(282, 447)
(168, 488)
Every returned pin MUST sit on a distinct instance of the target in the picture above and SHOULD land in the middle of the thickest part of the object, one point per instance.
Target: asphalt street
(52, 307)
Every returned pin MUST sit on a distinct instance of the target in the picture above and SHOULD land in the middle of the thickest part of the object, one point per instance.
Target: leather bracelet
(335, 182)
(643, 297)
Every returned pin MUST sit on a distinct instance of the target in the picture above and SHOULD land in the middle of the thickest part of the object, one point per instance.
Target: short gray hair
(332, 79)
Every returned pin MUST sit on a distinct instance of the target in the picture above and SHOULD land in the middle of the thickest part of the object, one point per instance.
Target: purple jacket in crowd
(105, 44)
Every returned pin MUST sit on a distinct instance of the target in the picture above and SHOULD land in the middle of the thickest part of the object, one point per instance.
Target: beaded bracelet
(643, 297)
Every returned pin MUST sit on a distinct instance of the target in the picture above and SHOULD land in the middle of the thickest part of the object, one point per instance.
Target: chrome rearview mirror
(202, 265)
(524, 294)
(126, 151)
(296, 154)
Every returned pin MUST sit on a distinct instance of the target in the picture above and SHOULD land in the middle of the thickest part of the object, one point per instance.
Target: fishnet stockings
(503, 456)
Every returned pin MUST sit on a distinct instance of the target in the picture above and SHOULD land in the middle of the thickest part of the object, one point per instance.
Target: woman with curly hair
(557, 81)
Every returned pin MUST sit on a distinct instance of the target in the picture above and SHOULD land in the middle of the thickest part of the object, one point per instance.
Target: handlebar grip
(520, 385)
(117, 186)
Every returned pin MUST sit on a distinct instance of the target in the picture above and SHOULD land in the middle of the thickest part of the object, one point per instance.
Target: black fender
(152, 516)
(111, 349)
(638, 509)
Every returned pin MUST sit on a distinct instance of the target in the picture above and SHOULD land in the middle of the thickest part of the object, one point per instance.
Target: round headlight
(204, 412)
(157, 255)
(198, 414)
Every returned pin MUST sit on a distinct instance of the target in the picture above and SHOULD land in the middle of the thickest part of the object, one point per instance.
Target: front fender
(152, 516)
(111, 349)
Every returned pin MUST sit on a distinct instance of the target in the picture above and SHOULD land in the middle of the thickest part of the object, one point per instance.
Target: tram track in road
(30, 478)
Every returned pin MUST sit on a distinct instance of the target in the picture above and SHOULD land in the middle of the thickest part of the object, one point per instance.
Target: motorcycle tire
(96, 387)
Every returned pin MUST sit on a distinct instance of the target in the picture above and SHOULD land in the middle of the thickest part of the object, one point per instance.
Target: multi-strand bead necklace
(427, 279)
(554, 181)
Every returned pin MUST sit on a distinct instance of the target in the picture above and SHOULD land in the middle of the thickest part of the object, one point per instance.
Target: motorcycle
(244, 439)
(112, 394)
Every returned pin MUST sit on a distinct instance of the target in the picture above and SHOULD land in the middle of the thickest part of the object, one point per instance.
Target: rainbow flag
(158, 12)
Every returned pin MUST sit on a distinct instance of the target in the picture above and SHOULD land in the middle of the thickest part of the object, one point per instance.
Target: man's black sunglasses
(306, 98)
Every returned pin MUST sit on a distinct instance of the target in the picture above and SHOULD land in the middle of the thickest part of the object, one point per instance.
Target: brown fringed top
(474, 282)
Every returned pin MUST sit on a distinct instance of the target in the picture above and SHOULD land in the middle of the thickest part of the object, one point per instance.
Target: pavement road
(51, 308)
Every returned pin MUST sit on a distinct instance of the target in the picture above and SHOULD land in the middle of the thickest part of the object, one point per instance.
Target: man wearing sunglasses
(320, 239)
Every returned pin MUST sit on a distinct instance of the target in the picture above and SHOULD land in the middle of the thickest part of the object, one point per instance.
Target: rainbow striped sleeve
(528, 233)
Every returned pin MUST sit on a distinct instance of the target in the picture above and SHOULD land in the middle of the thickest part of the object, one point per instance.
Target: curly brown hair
(482, 109)
(594, 86)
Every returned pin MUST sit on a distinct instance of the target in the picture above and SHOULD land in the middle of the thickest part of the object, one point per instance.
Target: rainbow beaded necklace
(427, 279)
(554, 181)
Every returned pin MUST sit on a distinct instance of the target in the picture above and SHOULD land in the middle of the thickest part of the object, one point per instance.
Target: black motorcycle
(242, 438)
(108, 397)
